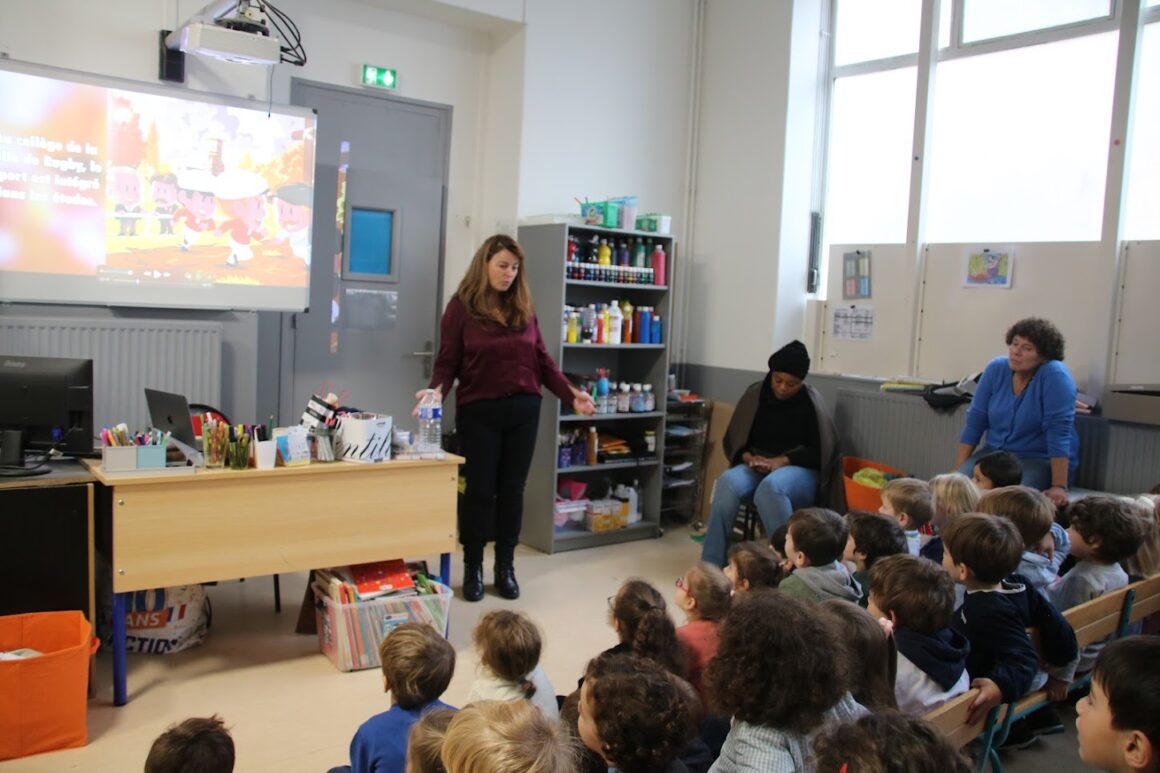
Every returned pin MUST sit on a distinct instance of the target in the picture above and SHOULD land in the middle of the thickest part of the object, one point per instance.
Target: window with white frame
(1142, 204)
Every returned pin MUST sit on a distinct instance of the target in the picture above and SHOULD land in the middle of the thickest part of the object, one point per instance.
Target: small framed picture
(987, 267)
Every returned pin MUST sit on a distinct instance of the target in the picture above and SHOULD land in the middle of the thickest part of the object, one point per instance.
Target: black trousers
(497, 437)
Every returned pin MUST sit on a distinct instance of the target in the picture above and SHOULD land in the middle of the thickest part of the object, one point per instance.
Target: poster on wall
(856, 275)
(986, 267)
(853, 323)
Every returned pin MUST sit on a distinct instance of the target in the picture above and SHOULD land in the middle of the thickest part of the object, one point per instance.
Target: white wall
(437, 61)
(748, 258)
(606, 104)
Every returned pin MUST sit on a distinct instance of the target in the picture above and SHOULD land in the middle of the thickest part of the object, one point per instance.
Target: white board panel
(887, 353)
(1137, 355)
(962, 328)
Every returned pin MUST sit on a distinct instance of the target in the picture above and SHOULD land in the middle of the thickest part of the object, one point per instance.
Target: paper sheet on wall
(853, 323)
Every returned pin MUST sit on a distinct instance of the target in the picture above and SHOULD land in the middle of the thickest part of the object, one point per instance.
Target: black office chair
(200, 409)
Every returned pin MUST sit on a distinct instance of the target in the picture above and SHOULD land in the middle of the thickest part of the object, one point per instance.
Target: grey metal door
(367, 339)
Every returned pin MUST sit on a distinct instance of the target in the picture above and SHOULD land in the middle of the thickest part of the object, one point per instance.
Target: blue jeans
(1036, 470)
(776, 496)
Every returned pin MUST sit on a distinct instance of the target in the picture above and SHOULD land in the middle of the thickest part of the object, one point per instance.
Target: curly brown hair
(643, 623)
(1042, 334)
(509, 645)
(919, 592)
(711, 589)
(512, 309)
(989, 545)
(776, 665)
(1112, 521)
(640, 713)
(887, 742)
(757, 564)
(418, 664)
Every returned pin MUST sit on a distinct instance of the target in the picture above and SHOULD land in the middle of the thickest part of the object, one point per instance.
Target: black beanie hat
(792, 359)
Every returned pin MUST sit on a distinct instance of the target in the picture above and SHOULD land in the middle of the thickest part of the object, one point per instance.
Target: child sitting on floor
(703, 594)
(200, 744)
(1045, 543)
(643, 625)
(418, 664)
(509, 647)
(751, 566)
(918, 597)
(779, 675)
(815, 543)
(506, 737)
(996, 470)
(1104, 530)
(887, 742)
(1119, 720)
(634, 715)
(980, 552)
(872, 536)
(952, 494)
(425, 743)
(871, 655)
(908, 501)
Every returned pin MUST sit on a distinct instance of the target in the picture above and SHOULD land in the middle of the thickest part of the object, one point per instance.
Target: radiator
(128, 355)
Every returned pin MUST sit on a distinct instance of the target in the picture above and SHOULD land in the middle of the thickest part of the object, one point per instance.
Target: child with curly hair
(887, 742)
(779, 675)
(753, 565)
(703, 594)
(634, 715)
(509, 647)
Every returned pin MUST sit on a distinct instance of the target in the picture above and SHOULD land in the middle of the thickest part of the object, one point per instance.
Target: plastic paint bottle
(615, 323)
(658, 265)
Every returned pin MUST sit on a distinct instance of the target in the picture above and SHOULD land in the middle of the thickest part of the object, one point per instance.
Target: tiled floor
(291, 710)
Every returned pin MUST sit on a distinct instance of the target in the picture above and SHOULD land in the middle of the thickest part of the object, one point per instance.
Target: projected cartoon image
(142, 188)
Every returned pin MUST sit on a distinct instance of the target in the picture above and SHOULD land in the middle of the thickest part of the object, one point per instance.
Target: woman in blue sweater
(1025, 402)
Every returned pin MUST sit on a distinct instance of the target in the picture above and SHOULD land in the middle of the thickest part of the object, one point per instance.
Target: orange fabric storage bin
(858, 496)
(43, 700)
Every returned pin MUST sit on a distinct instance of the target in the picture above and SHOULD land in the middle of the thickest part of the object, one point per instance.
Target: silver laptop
(169, 412)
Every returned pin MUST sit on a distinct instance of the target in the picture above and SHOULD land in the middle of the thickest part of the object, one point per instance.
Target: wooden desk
(46, 542)
(219, 524)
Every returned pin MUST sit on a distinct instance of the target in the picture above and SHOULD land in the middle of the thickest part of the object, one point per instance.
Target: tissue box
(363, 437)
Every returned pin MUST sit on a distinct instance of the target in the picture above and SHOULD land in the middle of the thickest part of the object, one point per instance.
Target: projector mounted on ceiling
(237, 31)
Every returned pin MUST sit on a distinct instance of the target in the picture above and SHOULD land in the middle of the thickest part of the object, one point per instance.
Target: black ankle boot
(505, 580)
(473, 582)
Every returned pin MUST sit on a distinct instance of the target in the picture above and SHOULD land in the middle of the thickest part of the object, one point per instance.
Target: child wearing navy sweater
(980, 552)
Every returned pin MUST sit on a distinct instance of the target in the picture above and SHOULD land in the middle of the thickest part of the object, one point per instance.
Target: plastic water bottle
(430, 440)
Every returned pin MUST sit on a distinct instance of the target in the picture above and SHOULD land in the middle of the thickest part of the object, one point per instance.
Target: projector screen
(122, 194)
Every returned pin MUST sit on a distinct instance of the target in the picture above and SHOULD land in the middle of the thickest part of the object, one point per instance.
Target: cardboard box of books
(356, 607)
(363, 437)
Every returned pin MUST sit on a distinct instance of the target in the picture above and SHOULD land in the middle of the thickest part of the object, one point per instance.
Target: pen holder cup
(150, 457)
(214, 452)
(266, 454)
(238, 455)
(119, 458)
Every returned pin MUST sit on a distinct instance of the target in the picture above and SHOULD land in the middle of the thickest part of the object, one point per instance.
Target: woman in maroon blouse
(490, 341)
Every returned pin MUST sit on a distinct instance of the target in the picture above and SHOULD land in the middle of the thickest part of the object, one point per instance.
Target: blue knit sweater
(1040, 423)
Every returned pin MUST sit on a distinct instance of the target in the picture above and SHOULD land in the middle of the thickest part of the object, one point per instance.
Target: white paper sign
(853, 323)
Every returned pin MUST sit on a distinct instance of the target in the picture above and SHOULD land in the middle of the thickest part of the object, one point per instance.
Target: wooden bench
(1107, 617)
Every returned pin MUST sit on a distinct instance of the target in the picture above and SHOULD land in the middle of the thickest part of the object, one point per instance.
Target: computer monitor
(49, 400)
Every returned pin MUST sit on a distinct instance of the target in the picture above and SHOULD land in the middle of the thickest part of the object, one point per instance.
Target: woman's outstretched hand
(419, 397)
(582, 403)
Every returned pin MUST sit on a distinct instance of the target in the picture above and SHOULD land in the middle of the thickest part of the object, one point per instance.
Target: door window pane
(1019, 143)
(871, 125)
(1142, 215)
(984, 19)
(865, 30)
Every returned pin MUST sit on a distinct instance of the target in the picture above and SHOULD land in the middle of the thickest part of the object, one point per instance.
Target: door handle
(427, 354)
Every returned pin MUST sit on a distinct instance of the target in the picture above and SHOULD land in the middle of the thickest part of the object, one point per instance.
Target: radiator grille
(127, 355)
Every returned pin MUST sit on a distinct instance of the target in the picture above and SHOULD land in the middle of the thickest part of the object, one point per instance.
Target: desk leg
(120, 691)
(445, 569)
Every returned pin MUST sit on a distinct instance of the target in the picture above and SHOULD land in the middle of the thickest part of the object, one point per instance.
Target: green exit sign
(379, 77)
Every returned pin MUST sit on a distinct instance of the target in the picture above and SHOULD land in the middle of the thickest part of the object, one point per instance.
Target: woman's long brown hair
(512, 308)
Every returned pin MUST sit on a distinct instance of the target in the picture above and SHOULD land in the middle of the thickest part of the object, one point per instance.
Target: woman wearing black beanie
(784, 451)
